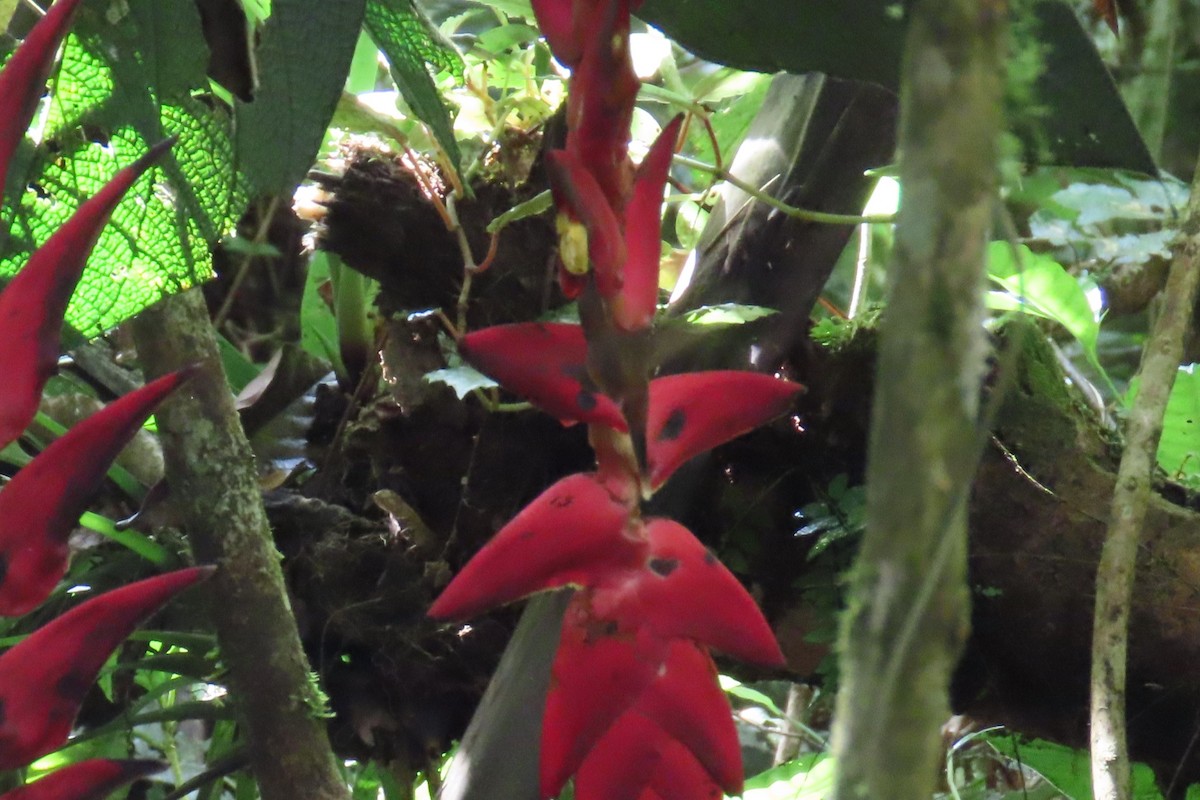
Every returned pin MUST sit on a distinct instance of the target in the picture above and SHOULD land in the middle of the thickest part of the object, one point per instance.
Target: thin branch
(1118, 559)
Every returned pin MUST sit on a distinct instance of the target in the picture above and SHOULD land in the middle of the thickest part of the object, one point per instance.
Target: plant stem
(908, 608)
(214, 487)
(1131, 496)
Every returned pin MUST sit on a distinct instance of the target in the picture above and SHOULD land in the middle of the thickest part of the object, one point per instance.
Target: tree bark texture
(907, 617)
(210, 469)
(1118, 559)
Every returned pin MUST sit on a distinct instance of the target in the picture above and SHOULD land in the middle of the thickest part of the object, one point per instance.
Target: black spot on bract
(3, 567)
(709, 558)
(585, 400)
(663, 566)
(673, 426)
(561, 501)
(71, 688)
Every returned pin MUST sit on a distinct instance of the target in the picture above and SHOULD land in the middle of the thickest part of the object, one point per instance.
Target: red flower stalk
(41, 504)
(24, 78)
(44, 678)
(34, 303)
(93, 779)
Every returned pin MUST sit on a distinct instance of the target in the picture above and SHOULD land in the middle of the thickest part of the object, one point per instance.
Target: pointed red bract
(686, 701)
(570, 534)
(579, 196)
(556, 19)
(34, 303)
(23, 78)
(633, 307)
(44, 678)
(682, 590)
(623, 762)
(681, 777)
(697, 411)
(93, 779)
(40, 506)
(599, 670)
(600, 101)
(547, 364)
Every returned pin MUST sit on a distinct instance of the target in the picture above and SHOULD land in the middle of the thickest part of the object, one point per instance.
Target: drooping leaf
(304, 55)
(547, 364)
(41, 505)
(634, 306)
(1086, 122)
(409, 41)
(93, 779)
(1179, 447)
(33, 304)
(45, 677)
(569, 534)
(24, 78)
(694, 412)
(682, 591)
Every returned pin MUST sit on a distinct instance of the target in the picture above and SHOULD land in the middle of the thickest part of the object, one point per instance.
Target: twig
(792, 211)
(1118, 558)
(260, 236)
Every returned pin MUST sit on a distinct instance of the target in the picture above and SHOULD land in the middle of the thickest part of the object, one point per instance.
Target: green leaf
(1067, 768)
(129, 83)
(1038, 284)
(463, 379)
(809, 777)
(304, 56)
(409, 42)
(1179, 447)
(727, 314)
(1085, 124)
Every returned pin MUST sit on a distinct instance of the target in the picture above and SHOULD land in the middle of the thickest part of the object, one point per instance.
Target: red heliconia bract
(634, 305)
(34, 303)
(681, 777)
(45, 677)
(598, 672)
(600, 101)
(547, 364)
(580, 198)
(23, 78)
(682, 590)
(93, 779)
(570, 535)
(622, 763)
(41, 504)
(697, 411)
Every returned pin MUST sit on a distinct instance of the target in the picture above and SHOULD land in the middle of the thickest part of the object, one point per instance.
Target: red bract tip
(23, 78)
(602, 93)
(93, 779)
(571, 533)
(44, 678)
(681, 591)
(546, 363)
(556, 19)
(633, 307)
(40, 506)
(622, 763)
(695, 412)
(578, 195)
(686, 701)
(599, 670)
(681, 777)
(34, 303)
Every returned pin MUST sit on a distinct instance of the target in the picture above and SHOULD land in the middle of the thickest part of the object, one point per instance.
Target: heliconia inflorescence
(634, 711)
(44, 678)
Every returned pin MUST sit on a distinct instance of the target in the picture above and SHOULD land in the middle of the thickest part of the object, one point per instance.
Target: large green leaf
(124, 83)
(1085, 124)
(408, 40)
(303, 58)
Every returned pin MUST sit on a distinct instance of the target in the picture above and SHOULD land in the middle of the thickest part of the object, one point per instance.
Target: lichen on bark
(210, 469)
(908, 614)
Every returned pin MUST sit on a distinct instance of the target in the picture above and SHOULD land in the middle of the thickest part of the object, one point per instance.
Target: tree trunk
(907, 616)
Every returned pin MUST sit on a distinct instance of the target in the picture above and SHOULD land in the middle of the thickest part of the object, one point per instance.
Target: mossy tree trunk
(210, 469)
(908, 615)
